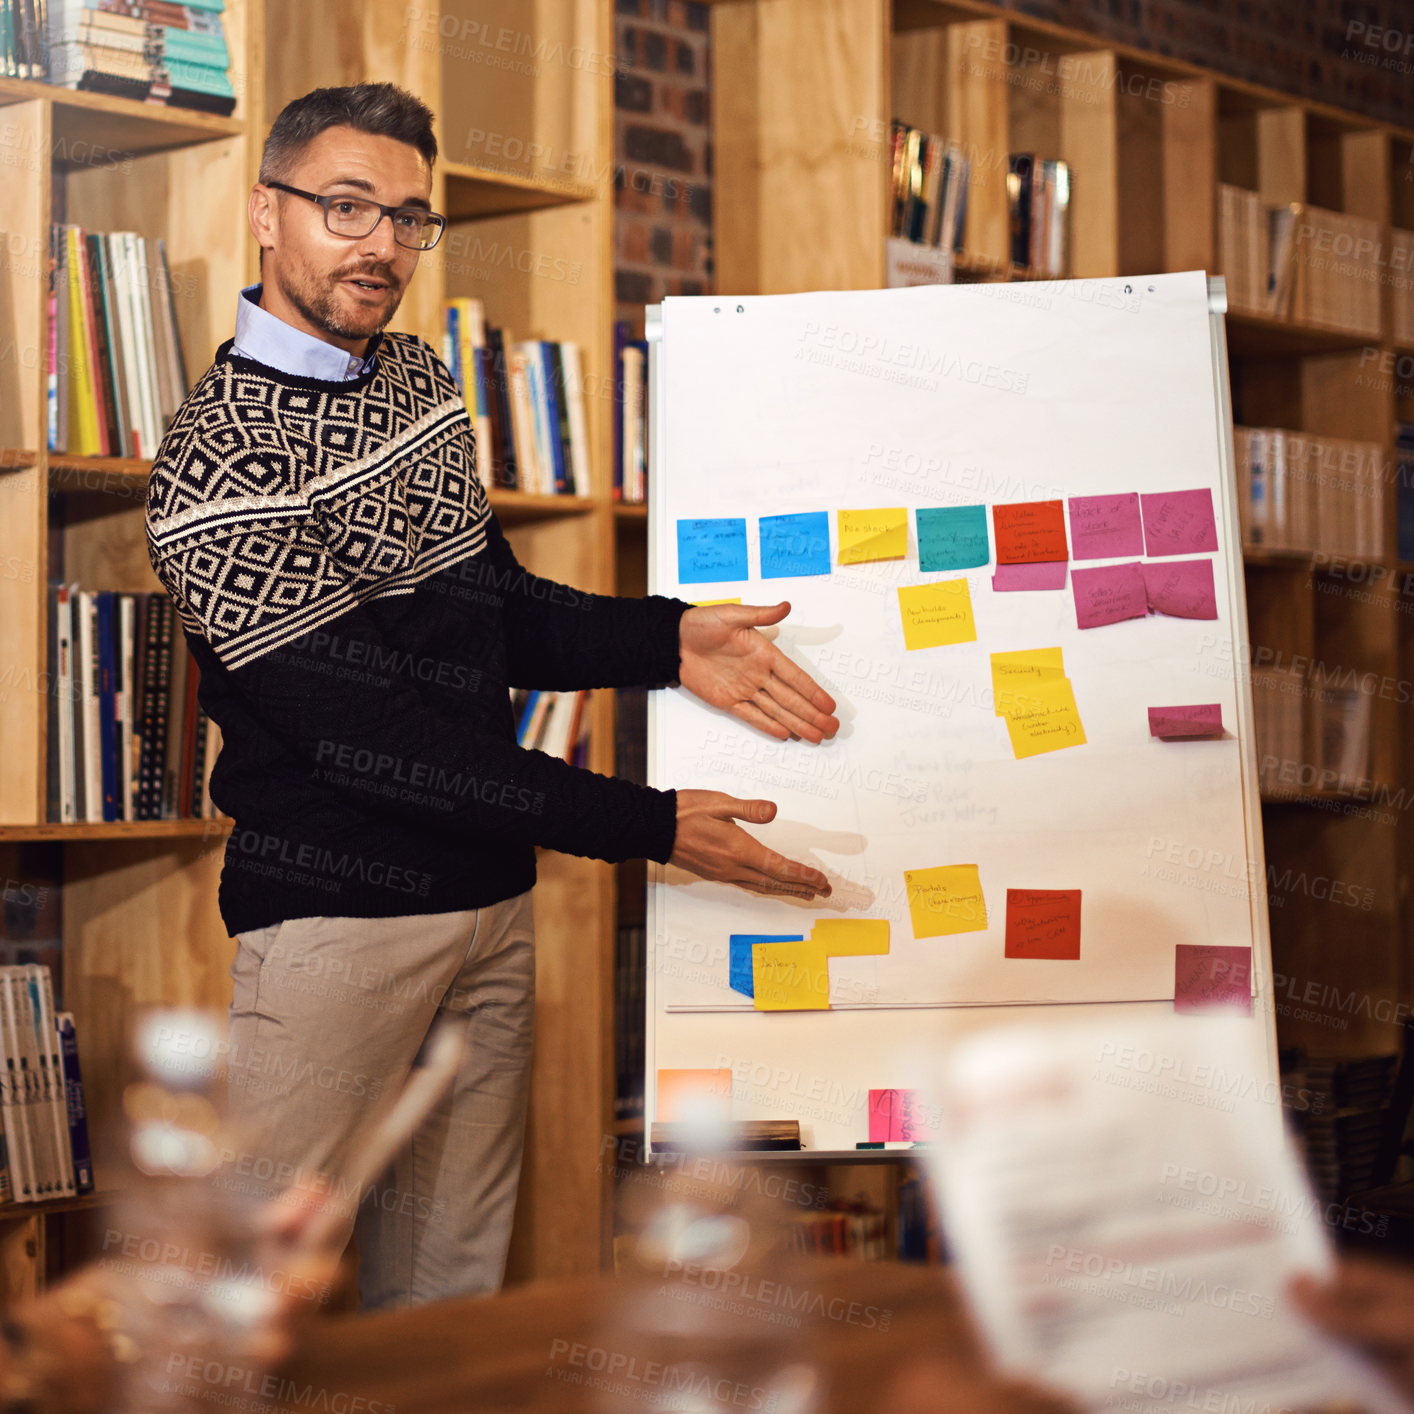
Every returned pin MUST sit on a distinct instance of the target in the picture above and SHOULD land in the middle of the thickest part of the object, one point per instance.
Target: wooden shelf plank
(116, 830)
(476, 192)
(1260, 333)
(20, 1212)
(98, 130)
(630, 511)
(16, 459)
(517, 507)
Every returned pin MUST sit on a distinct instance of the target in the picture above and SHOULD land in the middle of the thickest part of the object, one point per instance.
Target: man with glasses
(357, 617)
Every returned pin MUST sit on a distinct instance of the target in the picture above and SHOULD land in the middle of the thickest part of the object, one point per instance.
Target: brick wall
(663, 225)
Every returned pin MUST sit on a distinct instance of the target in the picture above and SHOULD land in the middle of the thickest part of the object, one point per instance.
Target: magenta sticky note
(1108, 593)
(900, 1116)
(1179, 522)
(1207, 975)
(1039, 574)
(1105, 527)
(1204, 719)
(1181, 588)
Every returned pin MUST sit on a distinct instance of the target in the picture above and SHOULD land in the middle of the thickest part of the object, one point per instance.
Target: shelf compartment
(110, 831)
(476, 192)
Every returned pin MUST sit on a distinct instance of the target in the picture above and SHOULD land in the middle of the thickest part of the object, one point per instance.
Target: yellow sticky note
(945, 900)
(937, 614)
(1021, 670)
(1048, 720)
(872, 535)
(851, 937)
(707, 604)
(790, 976)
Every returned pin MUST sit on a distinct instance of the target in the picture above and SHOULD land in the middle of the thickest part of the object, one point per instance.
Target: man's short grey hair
(382, 109)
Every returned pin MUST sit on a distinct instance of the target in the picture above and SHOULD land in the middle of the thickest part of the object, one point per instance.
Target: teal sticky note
(711, 551)
(952, 538)
(740, 977)
(795, 544)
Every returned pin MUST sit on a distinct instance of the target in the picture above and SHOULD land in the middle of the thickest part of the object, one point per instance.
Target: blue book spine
(526, 713)
(74, 1104)
(107, 714)
(552, 419)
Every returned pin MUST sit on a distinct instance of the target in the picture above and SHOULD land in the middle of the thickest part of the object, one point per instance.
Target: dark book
(189, 714)
(115, 347)
(74, 1104)
(222, 104)
(1019, 192)
(107, 687)
(504, 470)
(198, 762)
(173, 701)
(157, 667)
(53, 792)
(622, 335)
(105, 356)
(559, 393)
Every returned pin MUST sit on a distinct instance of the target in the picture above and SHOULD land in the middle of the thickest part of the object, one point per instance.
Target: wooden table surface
(863, 1336)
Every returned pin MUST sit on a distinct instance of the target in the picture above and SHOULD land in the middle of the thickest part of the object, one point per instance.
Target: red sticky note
(1043, 923)
(1189, 723)
(1182, 589)
(1178, 522)
(1105, 527)
(1109, 593)
(1042, 574)
(1206, 975)
(1027, 531)
(901, 1116)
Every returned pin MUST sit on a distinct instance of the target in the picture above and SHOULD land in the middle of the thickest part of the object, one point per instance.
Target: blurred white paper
(1126, 1213)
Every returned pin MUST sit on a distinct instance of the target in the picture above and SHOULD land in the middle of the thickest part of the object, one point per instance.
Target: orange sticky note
(790, 976)
(851, 937)
(945, 900)
(1043, 923)
(694, 1095)
(1027, 531)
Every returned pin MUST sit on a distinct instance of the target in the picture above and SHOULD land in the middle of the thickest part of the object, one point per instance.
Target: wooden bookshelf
(801, 139)
(140, 923)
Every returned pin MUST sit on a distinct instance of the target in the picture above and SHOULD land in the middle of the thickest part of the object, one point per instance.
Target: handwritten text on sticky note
(711, 551)
(1193, 721)
(901, 1116)
(1015, 673)
(1028, 531)
(872, 535)
(1107, 594)
(1105, 527)
(1209, 975)
(1043, 923)
(1179, 522)
(795, 545)
(945, 900)
(1047, 719)
(1181, 588)
(937, 614)
(952, 538)
(739, 956)
(790, 977)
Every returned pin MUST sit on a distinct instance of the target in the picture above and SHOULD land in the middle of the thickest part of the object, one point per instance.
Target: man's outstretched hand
(712, 845)
(729, 664)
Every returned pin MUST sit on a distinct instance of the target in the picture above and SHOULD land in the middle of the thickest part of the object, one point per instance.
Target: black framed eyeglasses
(354, 217)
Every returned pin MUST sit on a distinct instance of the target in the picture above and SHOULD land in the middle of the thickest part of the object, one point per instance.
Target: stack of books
(1308, 494)
(1325, 745)
(24, 44)
(556, 723)
(1299, 262)
(157, 51)
(928, 192)
(128, 739)
(116, 369)
(631, 416)
(630, 953)
(1279, 728)
(526, 401)
(1339, 1130)
(45, 1152)
(1038, 210)
(845, 1228)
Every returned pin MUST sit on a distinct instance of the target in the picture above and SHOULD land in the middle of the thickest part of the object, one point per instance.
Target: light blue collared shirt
(267, 339)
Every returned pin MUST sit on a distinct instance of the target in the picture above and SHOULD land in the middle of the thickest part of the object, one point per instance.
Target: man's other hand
(712, 845)
(729, 663)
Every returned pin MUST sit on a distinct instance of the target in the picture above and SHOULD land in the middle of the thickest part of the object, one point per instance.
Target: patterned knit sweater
(357, 617)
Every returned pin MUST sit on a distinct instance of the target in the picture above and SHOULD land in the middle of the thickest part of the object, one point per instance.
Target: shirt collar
(267, 339)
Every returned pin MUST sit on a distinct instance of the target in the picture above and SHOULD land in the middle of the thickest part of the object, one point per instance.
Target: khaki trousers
(327, 1018)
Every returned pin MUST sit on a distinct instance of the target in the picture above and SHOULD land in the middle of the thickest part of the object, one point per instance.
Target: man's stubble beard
(320, 310)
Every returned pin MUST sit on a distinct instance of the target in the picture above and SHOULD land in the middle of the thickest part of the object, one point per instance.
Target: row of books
(1339, 1129)
(1038, 210)
(1310, 733)
(631, 416)
(844, 1228)
(630, 954)
(155, 51)
(1302, 263)
(45, 1142)
(128, 739)
(526, 400)
(116, 369)
(1309, 494)
(556, 723)
(928, 191)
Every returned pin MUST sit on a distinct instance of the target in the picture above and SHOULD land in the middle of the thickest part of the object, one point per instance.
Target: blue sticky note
(952, 538)
(710, 551)
(740, 961)
(797, 544)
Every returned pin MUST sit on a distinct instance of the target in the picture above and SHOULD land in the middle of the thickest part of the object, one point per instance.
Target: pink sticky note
(900, 1115)
(1186, 723)
(1179, 522)
(1206, 975)
(1108, 593)
(1105, 527)
(1039, 574)
(1181, 588)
